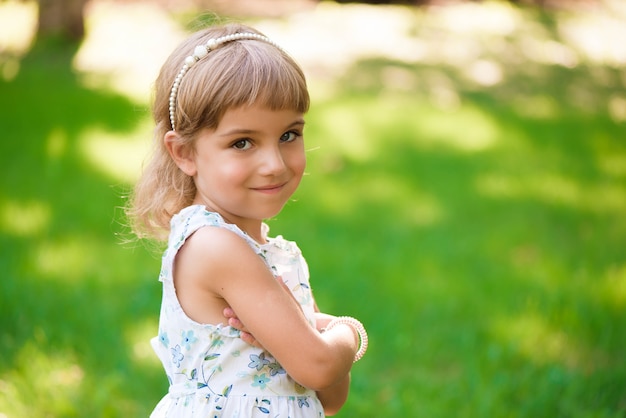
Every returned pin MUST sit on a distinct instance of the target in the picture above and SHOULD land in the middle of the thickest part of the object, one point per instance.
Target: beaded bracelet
(358, 327)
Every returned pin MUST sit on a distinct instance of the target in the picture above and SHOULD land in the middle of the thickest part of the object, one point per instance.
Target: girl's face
(249, 166)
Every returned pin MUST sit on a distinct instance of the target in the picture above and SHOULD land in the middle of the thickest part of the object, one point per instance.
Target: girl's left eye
(242, 144)
(289, 136)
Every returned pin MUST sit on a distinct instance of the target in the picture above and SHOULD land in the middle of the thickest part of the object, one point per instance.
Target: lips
(273, 188)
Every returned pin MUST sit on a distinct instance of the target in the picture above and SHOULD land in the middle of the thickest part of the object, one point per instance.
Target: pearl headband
(202, 51)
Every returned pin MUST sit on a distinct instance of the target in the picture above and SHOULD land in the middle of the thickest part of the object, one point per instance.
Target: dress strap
(194, 217)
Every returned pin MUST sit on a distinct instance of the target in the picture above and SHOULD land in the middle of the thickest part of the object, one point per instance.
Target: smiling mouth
(270, 189)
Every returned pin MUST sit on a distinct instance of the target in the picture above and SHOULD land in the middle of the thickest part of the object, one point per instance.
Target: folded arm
(332, 397)
(216, 268)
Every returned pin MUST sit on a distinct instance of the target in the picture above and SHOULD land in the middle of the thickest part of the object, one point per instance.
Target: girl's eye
(242, 144)
(289, 136)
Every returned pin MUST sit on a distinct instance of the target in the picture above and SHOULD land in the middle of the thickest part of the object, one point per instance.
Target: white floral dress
(212, 371)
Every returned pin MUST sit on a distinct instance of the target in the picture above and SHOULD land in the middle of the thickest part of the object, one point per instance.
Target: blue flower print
(263, 407)
(217, 342)
(188, 339)
(177, 355)
(258, 362)
(276, 368)
(260, 381)
(303, 401)
(164, 338)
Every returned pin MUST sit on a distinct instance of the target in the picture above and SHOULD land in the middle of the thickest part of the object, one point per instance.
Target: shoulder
(216, 259)
(219, 252)
(217, 244)
(188, 221)
(195, 215)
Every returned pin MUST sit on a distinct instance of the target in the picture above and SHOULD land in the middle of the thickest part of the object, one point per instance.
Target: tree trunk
(61, 18)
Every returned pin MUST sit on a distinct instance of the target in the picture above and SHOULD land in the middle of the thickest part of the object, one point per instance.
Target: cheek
(215, 173)
(298, 162)
(233, 171)
(302, 166)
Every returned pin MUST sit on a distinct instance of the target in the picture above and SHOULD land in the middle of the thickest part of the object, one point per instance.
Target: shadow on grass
(480, 237)
(70, 292)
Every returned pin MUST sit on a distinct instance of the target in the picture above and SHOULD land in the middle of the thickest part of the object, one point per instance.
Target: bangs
(238, 74)
(265, 79)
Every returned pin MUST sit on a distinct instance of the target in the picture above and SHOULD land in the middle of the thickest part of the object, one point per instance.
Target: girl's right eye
(242, 144)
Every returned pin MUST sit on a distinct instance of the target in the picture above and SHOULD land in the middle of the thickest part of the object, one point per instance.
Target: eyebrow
(243, 131)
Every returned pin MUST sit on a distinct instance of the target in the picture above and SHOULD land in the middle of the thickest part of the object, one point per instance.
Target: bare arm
(332, 398)
(216, 268)
(335, 396)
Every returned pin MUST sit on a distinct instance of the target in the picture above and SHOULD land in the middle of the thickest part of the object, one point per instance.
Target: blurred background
(465, 198)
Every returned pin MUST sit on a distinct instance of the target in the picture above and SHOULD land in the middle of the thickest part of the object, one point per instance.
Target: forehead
(258, 118)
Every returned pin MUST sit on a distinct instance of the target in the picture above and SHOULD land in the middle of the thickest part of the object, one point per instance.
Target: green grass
(482, 242)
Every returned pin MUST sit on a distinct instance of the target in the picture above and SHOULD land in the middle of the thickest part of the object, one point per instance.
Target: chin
(272, 212)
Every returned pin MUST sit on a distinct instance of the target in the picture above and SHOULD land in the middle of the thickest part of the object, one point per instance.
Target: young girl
(239, 333)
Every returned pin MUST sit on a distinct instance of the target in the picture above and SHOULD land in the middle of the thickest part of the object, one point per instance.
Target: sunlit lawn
(469, 209)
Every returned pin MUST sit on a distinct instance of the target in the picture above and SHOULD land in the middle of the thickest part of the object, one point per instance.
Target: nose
(272, 162)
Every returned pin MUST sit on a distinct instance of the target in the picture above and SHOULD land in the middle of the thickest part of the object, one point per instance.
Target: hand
(234, 322)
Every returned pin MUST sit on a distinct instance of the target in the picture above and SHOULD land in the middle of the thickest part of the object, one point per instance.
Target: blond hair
(236, 74)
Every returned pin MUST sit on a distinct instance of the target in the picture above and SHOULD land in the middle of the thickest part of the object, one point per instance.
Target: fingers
(233, 320)
(228, 312)
(236, 323)
(249, 339)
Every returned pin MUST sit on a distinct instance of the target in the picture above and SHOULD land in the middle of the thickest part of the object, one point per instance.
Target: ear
(181, 153)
